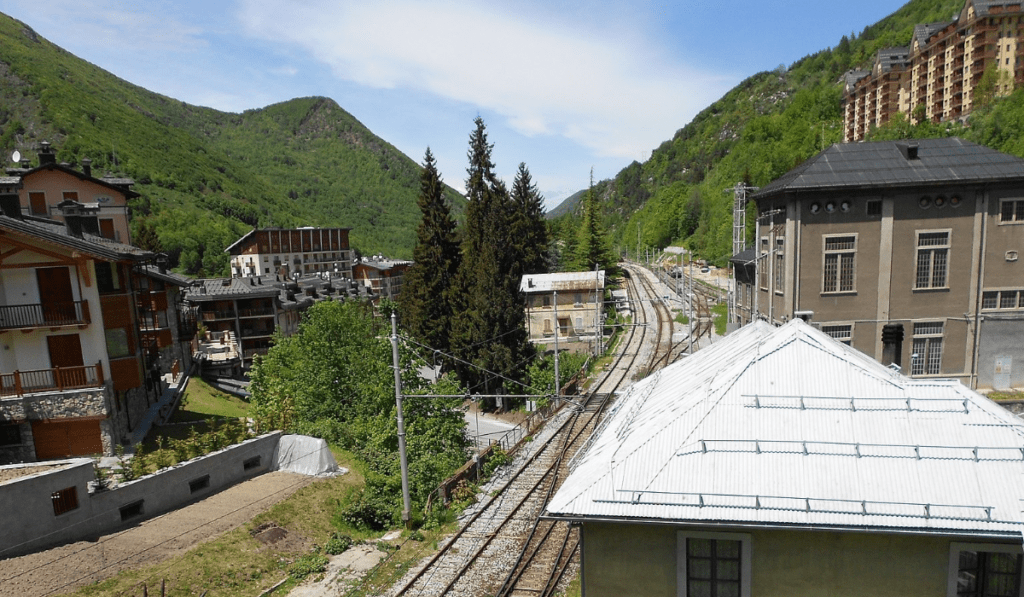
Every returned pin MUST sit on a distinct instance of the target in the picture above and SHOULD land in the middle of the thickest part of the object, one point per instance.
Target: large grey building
(908, 251)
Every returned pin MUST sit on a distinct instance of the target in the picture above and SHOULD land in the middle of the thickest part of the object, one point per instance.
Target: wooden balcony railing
(57, 379)
(249, 353)
(41, 315)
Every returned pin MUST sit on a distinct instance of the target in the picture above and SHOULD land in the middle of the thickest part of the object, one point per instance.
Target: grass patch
(1009, 395)
(721, 312)
(681, 318)
(202, 401)
(235, 564)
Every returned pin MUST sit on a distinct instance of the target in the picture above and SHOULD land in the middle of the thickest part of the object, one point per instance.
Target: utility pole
(406, 503)
(598, 331)
(558, 381)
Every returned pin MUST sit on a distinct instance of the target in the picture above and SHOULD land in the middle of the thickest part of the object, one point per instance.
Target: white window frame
(843, 255)
(779, 267)
(763, 264)
(928, 340)
(953, 569)
(1000, 295)
(933, 249)
(1017, 211)
(746, 550)
(833, 330)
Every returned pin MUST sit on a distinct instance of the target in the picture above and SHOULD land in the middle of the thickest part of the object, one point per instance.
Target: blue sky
(562, 86)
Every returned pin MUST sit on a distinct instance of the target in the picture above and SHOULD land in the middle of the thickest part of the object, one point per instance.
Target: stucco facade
(940, 258)
(622, 559)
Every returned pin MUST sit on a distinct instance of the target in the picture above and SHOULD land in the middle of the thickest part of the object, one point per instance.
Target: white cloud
(606, 87)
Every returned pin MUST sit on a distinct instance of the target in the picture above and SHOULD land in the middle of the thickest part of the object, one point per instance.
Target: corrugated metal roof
(532, 283)
(787, 426)
(885, 164)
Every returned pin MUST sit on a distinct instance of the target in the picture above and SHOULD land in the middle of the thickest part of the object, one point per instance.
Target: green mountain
(207, 177)
(758, 131)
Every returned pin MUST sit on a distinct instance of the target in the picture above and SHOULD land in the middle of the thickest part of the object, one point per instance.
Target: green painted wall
(624, 560)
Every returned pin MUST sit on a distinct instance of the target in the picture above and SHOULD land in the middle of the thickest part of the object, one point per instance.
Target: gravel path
(64, 568)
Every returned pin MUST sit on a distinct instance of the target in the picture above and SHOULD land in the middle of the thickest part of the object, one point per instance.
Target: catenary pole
(406, 505)
(558, 381)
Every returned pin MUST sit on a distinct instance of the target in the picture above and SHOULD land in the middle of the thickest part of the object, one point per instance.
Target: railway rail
(502, 547)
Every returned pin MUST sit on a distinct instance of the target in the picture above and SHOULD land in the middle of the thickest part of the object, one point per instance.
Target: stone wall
(68, 404)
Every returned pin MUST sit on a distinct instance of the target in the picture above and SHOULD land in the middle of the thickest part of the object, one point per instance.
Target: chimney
(46, 154)
(161, 262)
(87, 167)
(10, 205)
(26, 164)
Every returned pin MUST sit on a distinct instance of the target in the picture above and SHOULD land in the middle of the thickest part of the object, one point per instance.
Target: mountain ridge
(207, 176)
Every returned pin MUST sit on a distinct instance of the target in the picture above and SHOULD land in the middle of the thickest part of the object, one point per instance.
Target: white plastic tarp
(304, 455)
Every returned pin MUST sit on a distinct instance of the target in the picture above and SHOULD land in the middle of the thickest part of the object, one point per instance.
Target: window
(64, 500)
(932, 259)
(10, 434)
(713, 564)
(780, 276)
(1002, 299)
(37, 203)
(70, 195)
(842, 333)
(762, 265)
(1011, 210)
(926, 358)
(199, 484)
(108, 279)
(984, 570)
(117, 343)
(874, 207)
(131, 510)
(838, 272)
(578, 299)
(251, 463)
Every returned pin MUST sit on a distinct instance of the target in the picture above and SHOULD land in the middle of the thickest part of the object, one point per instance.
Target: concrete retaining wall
(27, 505)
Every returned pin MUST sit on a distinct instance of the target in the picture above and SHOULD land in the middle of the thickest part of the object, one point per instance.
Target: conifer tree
(591, 241)
(529, 230)
(426, 298)
(489, 330)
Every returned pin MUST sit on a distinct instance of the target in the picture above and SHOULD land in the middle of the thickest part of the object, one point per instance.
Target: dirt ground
(64, 568)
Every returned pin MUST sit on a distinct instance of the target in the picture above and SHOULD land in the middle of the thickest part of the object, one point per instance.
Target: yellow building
(573, 299)
(779, 461)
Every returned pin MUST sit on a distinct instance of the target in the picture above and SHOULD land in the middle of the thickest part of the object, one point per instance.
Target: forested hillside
(763, 127)
(206, 176)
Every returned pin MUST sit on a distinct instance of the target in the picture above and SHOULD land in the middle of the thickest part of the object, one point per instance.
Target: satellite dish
(16, 156)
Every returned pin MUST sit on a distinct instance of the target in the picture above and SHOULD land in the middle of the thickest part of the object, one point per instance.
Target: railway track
(502, 547)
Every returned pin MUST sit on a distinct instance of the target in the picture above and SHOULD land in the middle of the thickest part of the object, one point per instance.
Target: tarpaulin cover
(305, 455)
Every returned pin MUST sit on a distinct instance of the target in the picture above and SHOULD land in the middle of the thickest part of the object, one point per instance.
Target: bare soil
(8, 474)
(64, 568)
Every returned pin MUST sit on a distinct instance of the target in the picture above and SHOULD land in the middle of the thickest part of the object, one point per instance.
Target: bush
(311, 563)
(337, 544)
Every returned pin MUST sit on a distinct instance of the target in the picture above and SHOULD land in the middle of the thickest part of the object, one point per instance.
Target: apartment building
(566, 304)
(47, 185)
(292, 253)
(908, 251)
(935, 77)
(72, 365)
(382, 276)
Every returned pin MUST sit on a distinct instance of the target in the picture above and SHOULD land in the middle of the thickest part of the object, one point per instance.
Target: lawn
(202, 402)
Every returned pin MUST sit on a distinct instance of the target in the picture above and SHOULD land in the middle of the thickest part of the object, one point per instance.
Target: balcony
(249, 353)
(57, 379)
(13, 317)
(256, 312)
(257, 332)
(215, 315)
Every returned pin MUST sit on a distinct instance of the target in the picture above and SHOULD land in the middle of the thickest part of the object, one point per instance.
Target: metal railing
(20, 383)
(44, 315)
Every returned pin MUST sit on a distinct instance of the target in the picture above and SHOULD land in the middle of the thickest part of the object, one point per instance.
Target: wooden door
(107, 228)
(66, 438)
(66, 354)
(56, 295)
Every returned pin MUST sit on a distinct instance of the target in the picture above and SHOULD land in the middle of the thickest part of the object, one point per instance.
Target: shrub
(311, 563)
(337, 544)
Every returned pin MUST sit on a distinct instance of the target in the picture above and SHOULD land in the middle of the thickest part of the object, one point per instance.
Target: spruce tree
(530, 237)
(426, 297)
(490, 330)
(591, 241)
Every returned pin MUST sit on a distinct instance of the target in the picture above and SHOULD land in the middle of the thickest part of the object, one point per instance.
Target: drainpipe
(978, 295)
